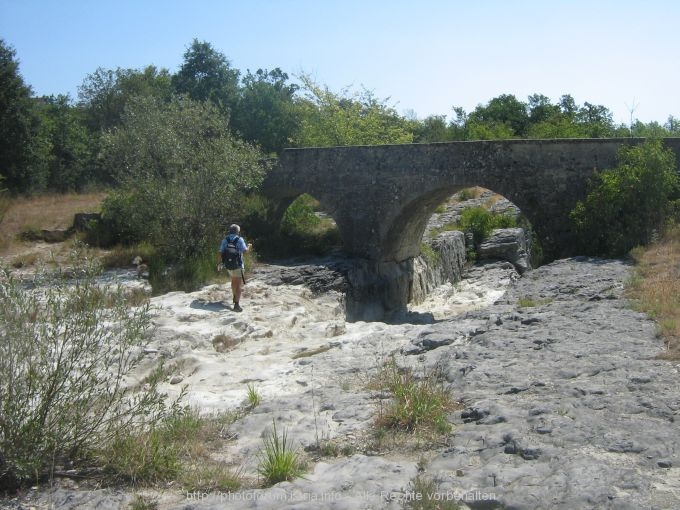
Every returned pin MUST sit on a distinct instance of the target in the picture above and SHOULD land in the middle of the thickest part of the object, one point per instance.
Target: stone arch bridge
(381, 197)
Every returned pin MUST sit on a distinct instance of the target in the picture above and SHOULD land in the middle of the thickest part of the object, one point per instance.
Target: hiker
(232, 248)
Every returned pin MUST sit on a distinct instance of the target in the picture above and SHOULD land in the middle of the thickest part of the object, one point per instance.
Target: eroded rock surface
(565, 404)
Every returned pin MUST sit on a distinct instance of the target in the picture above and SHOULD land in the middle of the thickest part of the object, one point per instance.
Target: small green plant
(418, 403)
(430, 255)
(279, 462)
(176, 449)
(143, 458)
(254, 397)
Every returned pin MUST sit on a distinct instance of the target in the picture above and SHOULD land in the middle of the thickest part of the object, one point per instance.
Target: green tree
(181, 173)
(331, 119)
(18, 126)
(266, 112)
(489, 130)
(672, 125)
(628, 204)
(66, 140)
(104, 93)
(502, 115)
(568, 106)
(649, 130)
(458, 125)
(207, 75)
(596, 120)
(541, 109)
(557, 126)
(432, 129)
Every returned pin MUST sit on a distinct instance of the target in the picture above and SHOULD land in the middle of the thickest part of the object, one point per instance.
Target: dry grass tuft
(655, 288)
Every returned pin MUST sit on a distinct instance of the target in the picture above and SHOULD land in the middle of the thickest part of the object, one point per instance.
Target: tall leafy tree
(557, 126)
(432, 129)
(18, 126)
(541, 109)
(331, 119)
(66, 140)
(266, 112)
(207, 75)
(104, 93)
(596, 120)
(672, 126)
(500, 114)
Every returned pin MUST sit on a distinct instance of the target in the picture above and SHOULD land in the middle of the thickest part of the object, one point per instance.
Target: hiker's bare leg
(236, 289)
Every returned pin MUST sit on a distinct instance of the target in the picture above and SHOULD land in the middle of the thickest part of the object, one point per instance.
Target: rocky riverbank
(563, 403)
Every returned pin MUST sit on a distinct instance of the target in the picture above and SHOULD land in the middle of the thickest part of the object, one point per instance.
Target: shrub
(627, 205)
(176, 449)
(64, 355)
(299, 218)
(181, 176)
(480, 222)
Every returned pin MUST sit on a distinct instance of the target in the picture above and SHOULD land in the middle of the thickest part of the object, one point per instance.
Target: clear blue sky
(425, 56)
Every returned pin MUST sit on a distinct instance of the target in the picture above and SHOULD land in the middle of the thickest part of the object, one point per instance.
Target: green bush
(627, 205)
(181, 176)
(481, 222)
(301, 229)
(299, 218)
(64, 354)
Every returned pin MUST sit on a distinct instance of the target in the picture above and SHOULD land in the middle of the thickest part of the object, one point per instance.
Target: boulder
(507, 244)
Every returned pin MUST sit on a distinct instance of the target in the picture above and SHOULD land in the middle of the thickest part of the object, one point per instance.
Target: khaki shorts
(235, 273)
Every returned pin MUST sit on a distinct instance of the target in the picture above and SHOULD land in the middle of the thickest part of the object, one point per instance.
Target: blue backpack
(231, 256)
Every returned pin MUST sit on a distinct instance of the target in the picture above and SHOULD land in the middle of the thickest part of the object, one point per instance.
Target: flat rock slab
(565, 404)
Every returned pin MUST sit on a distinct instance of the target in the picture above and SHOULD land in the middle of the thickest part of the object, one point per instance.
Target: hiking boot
(237, 308)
